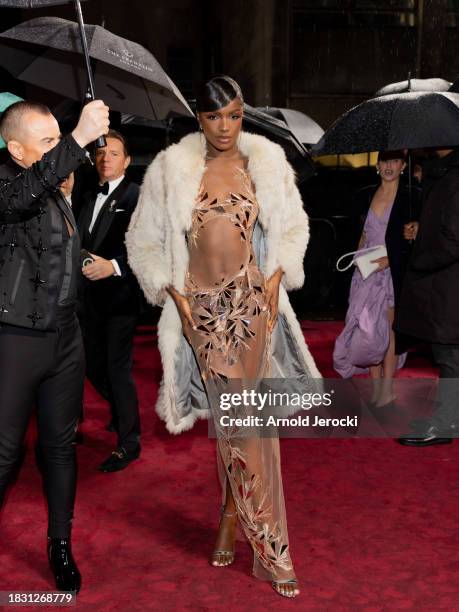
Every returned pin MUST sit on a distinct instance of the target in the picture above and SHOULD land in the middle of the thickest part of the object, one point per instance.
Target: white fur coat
(158, 254)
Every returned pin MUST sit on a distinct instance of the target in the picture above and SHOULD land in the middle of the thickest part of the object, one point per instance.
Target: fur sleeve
(146, 238)
(294, 233)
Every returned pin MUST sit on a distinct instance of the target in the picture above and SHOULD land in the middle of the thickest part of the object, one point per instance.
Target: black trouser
(45, 369)
(108, 342)
(446, 413)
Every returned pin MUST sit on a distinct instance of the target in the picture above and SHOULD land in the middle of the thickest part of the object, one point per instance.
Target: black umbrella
(277, 131)
(126, 76)
(306, 130)
(32, 4)
(388, 123)
(413, 85)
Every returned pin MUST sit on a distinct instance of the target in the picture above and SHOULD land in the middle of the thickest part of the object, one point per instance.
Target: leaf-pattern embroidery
(224, 315)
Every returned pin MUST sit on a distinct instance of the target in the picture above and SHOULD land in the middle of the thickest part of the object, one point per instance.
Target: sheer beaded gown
(231, 342)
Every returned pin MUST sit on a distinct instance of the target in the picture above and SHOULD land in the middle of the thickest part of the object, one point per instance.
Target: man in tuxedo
(41, 352)
(110, 296)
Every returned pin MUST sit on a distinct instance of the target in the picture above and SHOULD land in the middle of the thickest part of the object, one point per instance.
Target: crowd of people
(216, 236)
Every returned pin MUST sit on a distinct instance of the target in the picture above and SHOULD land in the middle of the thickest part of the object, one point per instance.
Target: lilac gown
(365, 337)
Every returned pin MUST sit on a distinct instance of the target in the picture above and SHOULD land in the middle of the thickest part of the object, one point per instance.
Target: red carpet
(373, 525)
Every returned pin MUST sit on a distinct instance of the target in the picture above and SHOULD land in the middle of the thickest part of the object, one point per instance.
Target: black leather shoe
(63, 565)
(433, 435)
(118, 460)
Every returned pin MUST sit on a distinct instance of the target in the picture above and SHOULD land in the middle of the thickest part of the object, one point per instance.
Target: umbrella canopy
(387, 123)
(127, 77)
(32, 4)
(277, 131)
(413, 85)
(305, 129)
(6, 99)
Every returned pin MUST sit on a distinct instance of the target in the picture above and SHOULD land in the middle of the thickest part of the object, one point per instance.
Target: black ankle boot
(63, 565)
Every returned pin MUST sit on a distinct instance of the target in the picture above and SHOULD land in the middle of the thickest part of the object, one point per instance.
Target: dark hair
(397, 154)
(117, 136)
(216, 93)
(11, 118)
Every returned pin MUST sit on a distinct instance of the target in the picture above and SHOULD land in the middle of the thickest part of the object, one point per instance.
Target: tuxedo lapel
(106, 215)
(84, 219)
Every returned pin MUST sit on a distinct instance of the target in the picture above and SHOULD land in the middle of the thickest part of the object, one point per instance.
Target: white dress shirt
(100, 201)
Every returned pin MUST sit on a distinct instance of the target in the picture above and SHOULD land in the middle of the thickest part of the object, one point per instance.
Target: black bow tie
(102, 189)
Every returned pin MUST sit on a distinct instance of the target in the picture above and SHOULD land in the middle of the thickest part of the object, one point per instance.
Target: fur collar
(185, 166)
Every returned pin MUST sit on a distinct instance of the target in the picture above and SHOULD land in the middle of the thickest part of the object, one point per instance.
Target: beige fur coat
(158, 255)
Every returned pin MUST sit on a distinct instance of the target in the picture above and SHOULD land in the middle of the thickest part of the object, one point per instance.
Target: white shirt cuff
(117, 268)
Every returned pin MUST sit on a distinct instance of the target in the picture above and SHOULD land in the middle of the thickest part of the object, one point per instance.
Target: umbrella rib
(148, 96)
(40, 52)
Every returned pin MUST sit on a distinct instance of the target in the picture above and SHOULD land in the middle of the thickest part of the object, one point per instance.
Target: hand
(184, 310)
(410, 230)
(99, 269)
(94, 122)
(383, 263)
(272, 297)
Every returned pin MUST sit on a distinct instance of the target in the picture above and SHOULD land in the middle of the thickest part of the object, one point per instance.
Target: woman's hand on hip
(184, 310)
(272, 297)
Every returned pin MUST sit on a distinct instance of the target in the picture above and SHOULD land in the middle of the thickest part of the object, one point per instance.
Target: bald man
(41, 354)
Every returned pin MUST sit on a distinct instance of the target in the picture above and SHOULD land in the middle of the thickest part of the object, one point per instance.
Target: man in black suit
(41, 353)
(110, 296)
(429, 308)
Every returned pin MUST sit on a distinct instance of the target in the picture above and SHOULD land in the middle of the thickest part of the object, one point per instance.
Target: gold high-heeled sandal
(226, 555)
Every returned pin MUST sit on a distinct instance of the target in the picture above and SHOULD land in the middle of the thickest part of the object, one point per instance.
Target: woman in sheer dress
(198, 259)
(227, 315)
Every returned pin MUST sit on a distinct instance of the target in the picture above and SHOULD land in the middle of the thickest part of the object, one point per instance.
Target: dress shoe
(63, 565)
(432, 435)
(119, 459)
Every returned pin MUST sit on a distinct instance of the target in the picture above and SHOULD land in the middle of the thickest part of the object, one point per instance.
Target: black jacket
(115, 294)
(398, 249)
(31, 236)
(429, 305)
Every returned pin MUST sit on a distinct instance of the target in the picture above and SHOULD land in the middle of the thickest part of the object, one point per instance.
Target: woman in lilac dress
(367, 342)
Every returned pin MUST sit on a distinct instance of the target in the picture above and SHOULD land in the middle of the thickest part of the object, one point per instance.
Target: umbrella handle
(100, 142)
